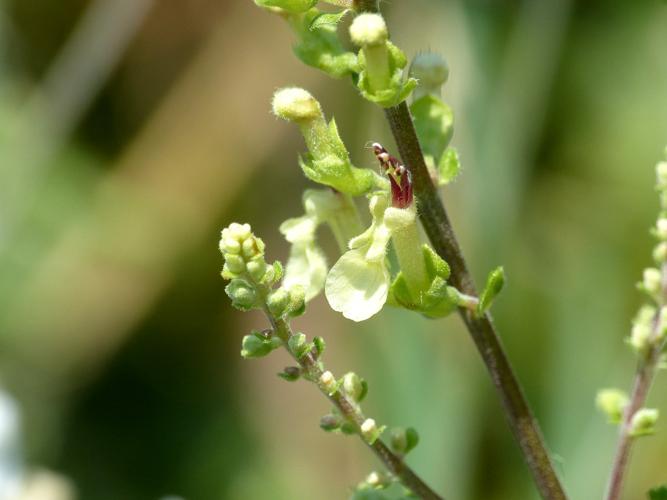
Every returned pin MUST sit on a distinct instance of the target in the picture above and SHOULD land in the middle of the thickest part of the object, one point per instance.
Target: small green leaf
(659, 493)
(257, 345)
(434, 121)
(494, 284)
(448, 166)
(328, 19)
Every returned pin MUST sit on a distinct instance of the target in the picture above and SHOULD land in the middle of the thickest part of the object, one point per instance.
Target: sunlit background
(132, 131)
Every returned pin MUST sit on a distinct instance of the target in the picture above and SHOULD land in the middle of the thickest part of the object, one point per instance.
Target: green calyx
(381, 79)
(436, 299)
(259, 344)
(328, 161)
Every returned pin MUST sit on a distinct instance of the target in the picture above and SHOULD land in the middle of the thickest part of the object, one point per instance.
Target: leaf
(434, 121)
(494, 284)
(449, 166)
(328, 19)
(659, 493)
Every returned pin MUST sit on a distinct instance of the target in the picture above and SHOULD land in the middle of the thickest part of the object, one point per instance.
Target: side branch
(441, 234)
(395, 464)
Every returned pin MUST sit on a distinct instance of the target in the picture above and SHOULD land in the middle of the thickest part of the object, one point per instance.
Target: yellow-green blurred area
(132, 131)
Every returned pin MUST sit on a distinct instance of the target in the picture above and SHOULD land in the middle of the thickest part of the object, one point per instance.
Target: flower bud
(661, 174)
(370, 431)
(640, 337)
(331, 422)
(354, 386)
(652, 281)
(297, 301)
(257, 268)
(661, 229)
(277, 302)
(296, 104)
(643, 422)
(297, 345)
(320, 345)
(431, 70)
(660, 253)
(404, 440)
(290, 373)
(368, 29)
(612, 403)
(328, 382)
(242, 294)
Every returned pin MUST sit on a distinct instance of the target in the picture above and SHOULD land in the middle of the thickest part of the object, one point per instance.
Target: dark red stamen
(399, 177)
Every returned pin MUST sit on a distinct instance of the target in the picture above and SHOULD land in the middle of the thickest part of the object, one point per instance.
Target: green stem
(646, 371)
(365, 5)
(351, 411)
(439, 230)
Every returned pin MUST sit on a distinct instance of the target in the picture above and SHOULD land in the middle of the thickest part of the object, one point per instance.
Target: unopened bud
(661, 174)
(290, 373)
(643, 422)
(354, 386)
(660, 253)
(297, 345)
(243, 295)
(295, 104)
(652, 281)
(640, 337)
(331, 422)
(612, 403)
(431, 70)
(404, 440)
(370, 431)
(328, 382)
(661, 229)
(368, 29)
(278, 301)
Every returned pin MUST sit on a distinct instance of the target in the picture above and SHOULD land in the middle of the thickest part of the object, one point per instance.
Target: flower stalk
(648, 341)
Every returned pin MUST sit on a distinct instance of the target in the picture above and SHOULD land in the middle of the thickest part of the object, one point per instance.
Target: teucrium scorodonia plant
(430, 279)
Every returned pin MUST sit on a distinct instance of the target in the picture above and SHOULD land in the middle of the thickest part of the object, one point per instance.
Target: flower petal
(357, 287)
(299, 229)
(307, 267)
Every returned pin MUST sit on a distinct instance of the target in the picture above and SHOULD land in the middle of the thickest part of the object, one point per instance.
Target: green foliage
(434, 121)
(318, 44)
(494, 285)
(659, 493)
(258, 344)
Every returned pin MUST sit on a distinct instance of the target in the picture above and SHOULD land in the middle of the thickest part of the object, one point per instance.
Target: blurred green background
(132, 131)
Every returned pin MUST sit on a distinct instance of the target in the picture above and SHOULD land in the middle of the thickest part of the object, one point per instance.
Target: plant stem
(441, 234)
(643, 379)
(351, 411)
(365, 5)
(646, 371)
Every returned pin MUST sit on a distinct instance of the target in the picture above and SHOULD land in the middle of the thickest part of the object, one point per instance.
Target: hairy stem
(441, 234)
(352, 413)
(646, 371)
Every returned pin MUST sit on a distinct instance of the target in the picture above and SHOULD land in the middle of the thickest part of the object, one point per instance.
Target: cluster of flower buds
(252, 283)
(649, 327)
